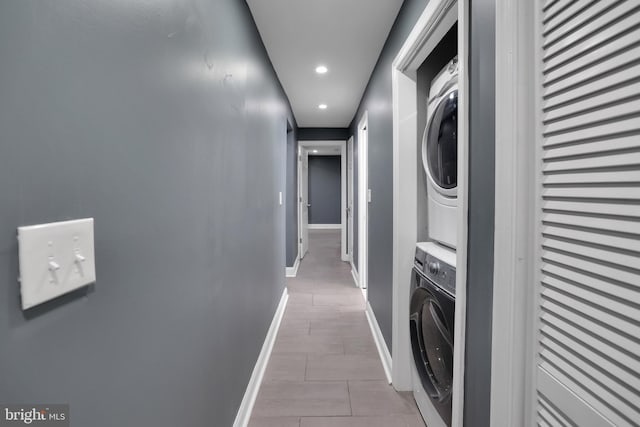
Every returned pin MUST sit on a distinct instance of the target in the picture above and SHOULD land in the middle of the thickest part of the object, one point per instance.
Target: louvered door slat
(561, 21)
(603, 333)
(616, 291)
(599, 396)
(609, 192)
(592, 237)
(607, 256)
(590, 148)
(606, 160)
(582, 107)
(596, 36)
(588, 88)
(603, 114)
(606, 367)
(581, 71)
(588, 324)
(592, 132)
(606, 13)
(617, 177)
(590, 266)
(602, 225)
(626, 365)
(576, 361)
(559, 418)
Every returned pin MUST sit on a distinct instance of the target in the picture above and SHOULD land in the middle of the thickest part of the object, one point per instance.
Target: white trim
(512, 376)
(293, 271)
(250, 394)
(354, 273)
(301, 152)
(325, 227)
(350, 201)
(383, 351)
(462, 280)
(344, 252)
(433, 24)
(363, 202)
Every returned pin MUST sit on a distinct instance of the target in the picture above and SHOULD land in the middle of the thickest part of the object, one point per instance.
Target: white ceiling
(345, 35)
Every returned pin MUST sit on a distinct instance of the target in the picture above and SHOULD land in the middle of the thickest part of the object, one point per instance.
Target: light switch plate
(55, 259)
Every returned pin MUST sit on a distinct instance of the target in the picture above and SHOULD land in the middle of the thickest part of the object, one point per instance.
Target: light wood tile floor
(325, 370)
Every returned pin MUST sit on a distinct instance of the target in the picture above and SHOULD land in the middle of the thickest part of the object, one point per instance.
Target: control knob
(434, 267)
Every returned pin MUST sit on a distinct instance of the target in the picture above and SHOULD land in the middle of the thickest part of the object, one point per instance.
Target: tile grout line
(349, 396)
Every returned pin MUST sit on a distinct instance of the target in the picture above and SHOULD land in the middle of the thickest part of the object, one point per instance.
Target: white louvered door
(588, 299)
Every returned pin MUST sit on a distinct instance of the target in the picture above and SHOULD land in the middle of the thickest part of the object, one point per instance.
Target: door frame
(301, 152)
(512, 354)
(305, 146)
(435, 21)
(350, 201)
(363, 202)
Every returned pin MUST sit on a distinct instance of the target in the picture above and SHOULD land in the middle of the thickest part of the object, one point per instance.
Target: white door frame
(350, 201)
(301, 252)
(512, 354)
(363, 202)
(322, 147)
(435, 21)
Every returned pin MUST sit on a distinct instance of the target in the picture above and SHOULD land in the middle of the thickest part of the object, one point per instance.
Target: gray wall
(291, 198)
(323, 134)
(378, 102)
(481, 213)
(165, 122)
(324, 189)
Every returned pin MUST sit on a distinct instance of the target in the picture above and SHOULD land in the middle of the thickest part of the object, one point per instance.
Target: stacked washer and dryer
(433, 284)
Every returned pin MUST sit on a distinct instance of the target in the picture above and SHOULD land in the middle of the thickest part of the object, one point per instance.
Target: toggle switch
(53, 266)
(55, 259)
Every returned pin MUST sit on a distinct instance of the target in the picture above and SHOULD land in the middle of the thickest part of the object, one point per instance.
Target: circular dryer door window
(442, 142)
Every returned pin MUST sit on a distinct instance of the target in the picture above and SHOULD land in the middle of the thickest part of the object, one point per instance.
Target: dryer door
(432, 339)
(440, 144)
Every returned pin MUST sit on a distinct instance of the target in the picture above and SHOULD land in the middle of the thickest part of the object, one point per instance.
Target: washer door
(440, 144)
(432, 343)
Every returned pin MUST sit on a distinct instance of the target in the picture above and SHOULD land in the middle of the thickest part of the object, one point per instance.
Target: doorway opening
(337, 211)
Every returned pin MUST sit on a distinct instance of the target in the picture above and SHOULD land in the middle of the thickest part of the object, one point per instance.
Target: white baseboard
(354, 273)
(385, 356)
(293, 271)
(325, 226)
(249, 399)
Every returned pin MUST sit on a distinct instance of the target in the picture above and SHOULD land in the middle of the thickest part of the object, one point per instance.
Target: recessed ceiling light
(322, 106)
(321, 69)
(315, 151)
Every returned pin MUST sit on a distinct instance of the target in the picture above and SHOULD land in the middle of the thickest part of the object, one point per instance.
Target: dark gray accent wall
(477, 391)
(377, 100)
(291, 198)
(324, 189)
(323, 134)
(166, 123)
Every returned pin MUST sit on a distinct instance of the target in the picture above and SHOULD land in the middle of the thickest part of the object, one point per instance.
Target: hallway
(325, 370)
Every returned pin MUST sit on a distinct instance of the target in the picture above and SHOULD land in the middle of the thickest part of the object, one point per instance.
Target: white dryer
(440, 155)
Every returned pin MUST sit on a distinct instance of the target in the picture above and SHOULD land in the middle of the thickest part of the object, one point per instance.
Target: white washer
(440, 155)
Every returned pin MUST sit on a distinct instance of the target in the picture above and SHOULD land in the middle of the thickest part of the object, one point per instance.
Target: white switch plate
(55, 259)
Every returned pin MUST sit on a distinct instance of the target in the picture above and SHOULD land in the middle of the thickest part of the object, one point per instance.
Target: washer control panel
(436, 269)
